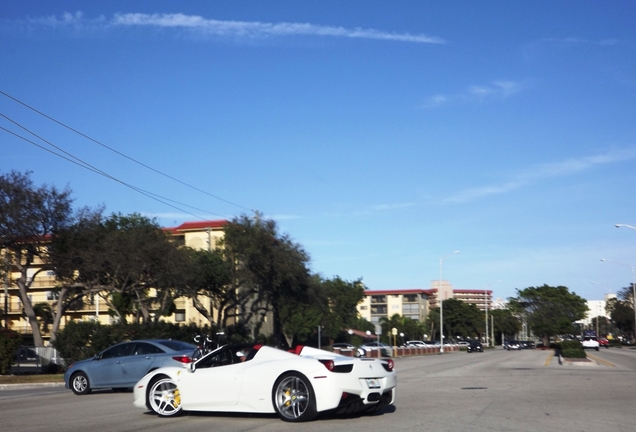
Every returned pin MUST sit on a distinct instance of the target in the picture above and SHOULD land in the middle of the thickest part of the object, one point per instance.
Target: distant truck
(589, 333)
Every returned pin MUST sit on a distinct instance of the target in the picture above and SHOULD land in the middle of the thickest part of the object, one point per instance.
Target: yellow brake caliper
(288, 397)
(176, 401)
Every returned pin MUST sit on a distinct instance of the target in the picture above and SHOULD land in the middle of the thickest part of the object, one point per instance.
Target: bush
(83, 339)
(572, 349)
(10, 341)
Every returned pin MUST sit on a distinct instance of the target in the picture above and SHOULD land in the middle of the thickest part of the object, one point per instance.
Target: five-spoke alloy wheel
(163, 397)
(293, 398)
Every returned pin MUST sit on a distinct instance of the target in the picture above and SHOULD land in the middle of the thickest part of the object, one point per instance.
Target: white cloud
(237, 29)
(497, 90)
(543, 171)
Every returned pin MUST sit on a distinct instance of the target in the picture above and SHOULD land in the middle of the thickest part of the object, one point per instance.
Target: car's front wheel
(80, 384)
(163, 397)
(293, 398)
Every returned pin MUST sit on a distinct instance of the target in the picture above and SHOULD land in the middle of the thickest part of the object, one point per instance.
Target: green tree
(29, 217)
(462, 319)
(269, 273)
(411, 328)
(206, 274)
(121, 258)
(548, 310)
(622, 313)
(505, 322)
(340, 305)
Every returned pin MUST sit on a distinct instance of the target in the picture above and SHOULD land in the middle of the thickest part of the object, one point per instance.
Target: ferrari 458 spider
(260, 379)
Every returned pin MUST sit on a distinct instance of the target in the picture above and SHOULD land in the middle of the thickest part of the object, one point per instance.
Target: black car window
(117, 351)
(143, 348)
(221, 358)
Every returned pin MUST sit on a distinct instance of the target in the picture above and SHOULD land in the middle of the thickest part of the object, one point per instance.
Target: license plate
(373, 383)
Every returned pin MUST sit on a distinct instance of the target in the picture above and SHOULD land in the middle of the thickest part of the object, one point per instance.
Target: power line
(120, 153)
(89, 167)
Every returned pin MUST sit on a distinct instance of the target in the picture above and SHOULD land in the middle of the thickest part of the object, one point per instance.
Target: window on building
(364, 307)
(410, 298)
(378, 299)
(179, 316)
(411, 309)
(378, 310)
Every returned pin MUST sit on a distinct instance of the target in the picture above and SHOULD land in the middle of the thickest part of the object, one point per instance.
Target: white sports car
(260, 379)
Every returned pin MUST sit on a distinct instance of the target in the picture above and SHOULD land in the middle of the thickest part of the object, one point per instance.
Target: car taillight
(388, 365)
(329, 364)
(182, 359)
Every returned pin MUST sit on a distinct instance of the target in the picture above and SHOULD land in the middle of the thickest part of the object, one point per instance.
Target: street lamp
(633, 287)
(486, 298)
(441, 303)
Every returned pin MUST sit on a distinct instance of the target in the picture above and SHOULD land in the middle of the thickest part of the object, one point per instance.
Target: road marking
(598, 360)
(549, 360)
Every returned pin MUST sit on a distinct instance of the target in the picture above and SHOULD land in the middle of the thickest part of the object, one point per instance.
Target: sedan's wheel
(79, 384)
(163, 397)
(293, 398)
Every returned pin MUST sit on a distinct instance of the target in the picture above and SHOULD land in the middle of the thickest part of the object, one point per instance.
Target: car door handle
(118, 362)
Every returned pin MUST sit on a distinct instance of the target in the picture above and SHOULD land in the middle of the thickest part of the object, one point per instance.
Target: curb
(30, 385)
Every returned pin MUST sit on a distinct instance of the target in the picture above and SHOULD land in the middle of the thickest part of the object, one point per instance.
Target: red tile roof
(197, 226)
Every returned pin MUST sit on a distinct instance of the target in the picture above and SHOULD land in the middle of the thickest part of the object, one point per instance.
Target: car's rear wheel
(163, 397)
(80, 384)
(293, 398)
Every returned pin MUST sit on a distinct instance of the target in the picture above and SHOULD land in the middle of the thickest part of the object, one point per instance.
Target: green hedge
(10, 341)
(572, 349)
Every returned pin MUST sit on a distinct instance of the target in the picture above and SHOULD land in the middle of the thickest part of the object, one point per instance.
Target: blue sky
(382, 136)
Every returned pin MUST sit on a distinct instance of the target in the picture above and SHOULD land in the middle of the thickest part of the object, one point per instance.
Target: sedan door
(107, 369)
(136, 365)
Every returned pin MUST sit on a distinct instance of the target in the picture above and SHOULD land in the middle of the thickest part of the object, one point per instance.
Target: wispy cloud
(572, 41)
(395, 206)
(235, 29)
(497, 90)
(543, 171)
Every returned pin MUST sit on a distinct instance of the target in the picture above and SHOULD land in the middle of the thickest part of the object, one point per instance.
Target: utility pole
(6, 290)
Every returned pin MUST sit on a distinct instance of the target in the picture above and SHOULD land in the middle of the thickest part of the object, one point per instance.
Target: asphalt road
(493, 391)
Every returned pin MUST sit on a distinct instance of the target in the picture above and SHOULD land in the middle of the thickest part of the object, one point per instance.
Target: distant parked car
(513, 345)
(122, 365)
(358, 352)
(385, 350)
(415, 343)
(475, 346)
(604, 342)
(527, 344)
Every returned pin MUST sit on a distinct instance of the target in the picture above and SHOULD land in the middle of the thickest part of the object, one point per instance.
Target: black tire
(596, 349)
(293, 398)
(163, 397)
(79, 384)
